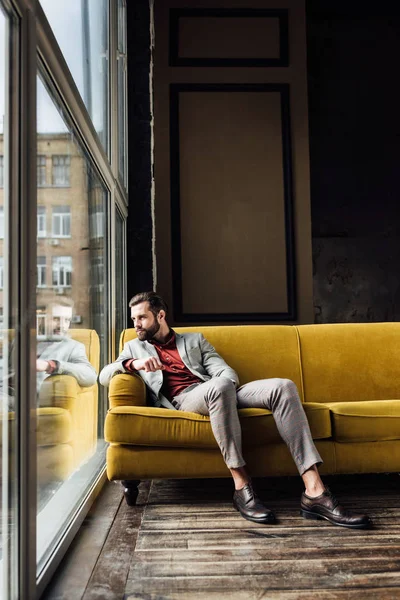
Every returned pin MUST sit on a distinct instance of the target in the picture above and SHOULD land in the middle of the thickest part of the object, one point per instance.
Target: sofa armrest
(59, 390)
(127, 390)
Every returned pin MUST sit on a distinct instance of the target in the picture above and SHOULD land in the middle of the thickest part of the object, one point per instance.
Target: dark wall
(354, 100)
(139, 228)
(354, 95)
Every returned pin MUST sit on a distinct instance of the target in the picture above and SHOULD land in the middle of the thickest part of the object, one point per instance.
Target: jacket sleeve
(117, 367)
(214, 364)
(78, 366)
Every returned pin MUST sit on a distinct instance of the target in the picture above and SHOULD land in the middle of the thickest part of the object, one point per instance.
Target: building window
(41, 170)
(61, 221)
(1, 223)
(41, 320)
(41, 271)
(41, 221)
(1, 272)
(60, 172)
(62, 269)
(1, 171)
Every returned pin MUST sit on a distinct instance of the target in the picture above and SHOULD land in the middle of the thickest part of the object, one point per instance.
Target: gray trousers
(218, 399)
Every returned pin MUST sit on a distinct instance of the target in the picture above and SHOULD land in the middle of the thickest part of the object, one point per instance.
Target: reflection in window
(41, 221)
(41, 170)
(41, 271)
(62, 269)
(1, 171)
(61, 221)
(60, 170)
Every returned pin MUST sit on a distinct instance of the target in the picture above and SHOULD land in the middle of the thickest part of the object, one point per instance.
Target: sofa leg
(131, 490)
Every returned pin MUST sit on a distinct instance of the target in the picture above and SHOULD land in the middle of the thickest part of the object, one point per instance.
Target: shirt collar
(170, 343)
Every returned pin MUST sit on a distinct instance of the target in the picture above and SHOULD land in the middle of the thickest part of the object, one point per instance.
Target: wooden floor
(184, 540)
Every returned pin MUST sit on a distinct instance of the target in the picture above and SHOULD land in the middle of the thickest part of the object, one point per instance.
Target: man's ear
(161, 315)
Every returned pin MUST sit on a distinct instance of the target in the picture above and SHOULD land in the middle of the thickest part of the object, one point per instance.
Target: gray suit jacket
(197, 354)
(72, 359)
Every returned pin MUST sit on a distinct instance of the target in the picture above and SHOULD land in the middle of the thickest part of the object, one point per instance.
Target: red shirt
(177, 376)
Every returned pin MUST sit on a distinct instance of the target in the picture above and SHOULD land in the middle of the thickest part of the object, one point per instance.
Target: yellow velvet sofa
(348, 377)
(67, 416)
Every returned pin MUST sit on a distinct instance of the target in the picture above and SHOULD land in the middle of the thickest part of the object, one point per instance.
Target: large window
(61, 221)
(55, 243)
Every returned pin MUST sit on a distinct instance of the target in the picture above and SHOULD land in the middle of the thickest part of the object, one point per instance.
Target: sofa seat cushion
(366, 421)
(145, 426)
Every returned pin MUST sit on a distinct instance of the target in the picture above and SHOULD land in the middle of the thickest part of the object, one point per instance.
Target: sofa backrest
(254, 351)
(90, 339)
(350, 361)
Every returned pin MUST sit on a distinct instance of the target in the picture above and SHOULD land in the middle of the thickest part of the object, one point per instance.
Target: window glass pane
(71, 321)
(8, 399)
(86, 52)
(120, 295)
(121, 90)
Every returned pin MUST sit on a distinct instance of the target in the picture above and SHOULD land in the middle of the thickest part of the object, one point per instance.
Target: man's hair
(156, 303)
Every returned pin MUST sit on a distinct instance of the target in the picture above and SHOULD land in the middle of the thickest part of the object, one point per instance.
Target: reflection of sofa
(348, 376)
(66, 417)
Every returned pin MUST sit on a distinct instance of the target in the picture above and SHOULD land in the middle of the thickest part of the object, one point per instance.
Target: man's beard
(149, 333)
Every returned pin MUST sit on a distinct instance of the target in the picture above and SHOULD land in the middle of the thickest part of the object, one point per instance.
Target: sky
(65, 18)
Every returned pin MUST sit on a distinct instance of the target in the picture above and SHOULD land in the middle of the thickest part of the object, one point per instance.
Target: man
(184, 372)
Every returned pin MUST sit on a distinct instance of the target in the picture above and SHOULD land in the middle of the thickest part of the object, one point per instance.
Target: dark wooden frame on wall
(179, 315)
(281, 14)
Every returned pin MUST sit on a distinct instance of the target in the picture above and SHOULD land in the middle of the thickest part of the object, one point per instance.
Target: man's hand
(41, 365)
(149, 365)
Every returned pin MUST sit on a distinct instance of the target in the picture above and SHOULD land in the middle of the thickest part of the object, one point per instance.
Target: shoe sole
(317, 517)
(270, 520)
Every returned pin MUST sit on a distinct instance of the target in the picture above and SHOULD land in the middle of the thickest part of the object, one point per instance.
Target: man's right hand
(149, 365)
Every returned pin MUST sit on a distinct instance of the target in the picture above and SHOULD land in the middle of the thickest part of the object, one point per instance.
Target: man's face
(145, 323)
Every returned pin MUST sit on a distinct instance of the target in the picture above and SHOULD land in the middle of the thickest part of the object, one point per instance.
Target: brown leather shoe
(326, 506)
(251, 507)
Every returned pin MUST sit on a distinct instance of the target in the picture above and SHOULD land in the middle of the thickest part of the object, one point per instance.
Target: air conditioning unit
(76, 319)
(59, 291)
(54, 242)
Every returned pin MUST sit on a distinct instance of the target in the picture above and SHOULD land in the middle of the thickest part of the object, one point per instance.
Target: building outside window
(41, 271)
(41, 221)
(61, 222)
(1, 171)
(41, 170)
(62, 270)
(61, 170)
